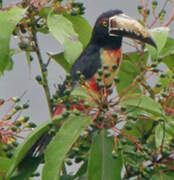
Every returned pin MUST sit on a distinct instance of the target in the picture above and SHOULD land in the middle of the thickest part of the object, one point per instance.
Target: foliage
(128, 136)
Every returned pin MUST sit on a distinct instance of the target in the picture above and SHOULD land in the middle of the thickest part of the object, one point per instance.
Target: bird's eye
(105, 23)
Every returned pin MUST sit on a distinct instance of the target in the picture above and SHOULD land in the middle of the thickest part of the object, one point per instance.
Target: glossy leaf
(62, 29)
(135, 58)
(27, 168)
(127, 74)
(169, 61)
(162, 136)
(82, 28)
(4, 166)
(101, 164)
(8, 21)
(61, 144)
(145, 103)
(168, 48)
(162, 176)
(22, 150)
(160, 36)
(60, 59)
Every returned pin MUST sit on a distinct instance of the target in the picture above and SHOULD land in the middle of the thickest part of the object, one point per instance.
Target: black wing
(88, 63)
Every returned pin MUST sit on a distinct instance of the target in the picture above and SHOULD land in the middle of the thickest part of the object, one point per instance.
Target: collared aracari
(103, 48)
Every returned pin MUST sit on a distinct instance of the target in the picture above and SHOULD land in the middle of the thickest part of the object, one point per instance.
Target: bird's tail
(40, 145)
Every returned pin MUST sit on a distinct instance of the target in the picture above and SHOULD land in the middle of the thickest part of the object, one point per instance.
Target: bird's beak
(122, 25)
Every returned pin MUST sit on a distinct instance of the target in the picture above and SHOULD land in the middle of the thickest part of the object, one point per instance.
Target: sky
(21, 79)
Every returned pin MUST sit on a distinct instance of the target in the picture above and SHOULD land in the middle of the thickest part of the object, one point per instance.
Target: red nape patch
(58, 110)
(93, 85)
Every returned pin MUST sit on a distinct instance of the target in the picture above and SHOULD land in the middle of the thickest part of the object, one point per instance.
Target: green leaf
(101, 164)
(62, 29)
(26, 169)
(82, 28)
(160, 36)
(82, 170)
(162, 176)
(169, 61)
(145, 103)
(8, 21)
(4, 166)
(44, 12)
(60, 59)
(168, 48)
(22, 150)
(135, 58)
(162, 135)
(127, 73)
(61, 144)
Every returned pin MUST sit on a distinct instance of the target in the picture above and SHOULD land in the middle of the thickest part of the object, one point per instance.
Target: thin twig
(44, 76)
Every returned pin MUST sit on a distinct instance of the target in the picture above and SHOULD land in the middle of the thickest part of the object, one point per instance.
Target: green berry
(128, 127)
(101, 85)
(117, 80)
(163, 166)
(123, 109)
(115, 155)
(67, 92)
(162, 75)
(15, 143)
(114, 67)
(18, 124)
(105, 66)
(155, 70)
(74, 13)
(154, 5)
(14, 128)
(32, 124)
(114, 115)
(25, 106)
(166, 153)
(15, 99)
(154, 65)
(100, 72)
(99, 79)
(74, 101)
(65, 114)
(69, 162)
(77, 113)
(9, 154)
(107, 74)
(78, 73)
(100, 117)
(78, 159)
(52, 132)
(17, 108)
(164, 95)
(158, 85)
(38, 78)
(139, 8)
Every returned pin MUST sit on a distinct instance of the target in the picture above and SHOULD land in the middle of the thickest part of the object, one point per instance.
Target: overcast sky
(14, 83)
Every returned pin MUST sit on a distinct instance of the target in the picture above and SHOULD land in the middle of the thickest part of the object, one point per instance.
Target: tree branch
(44, 76)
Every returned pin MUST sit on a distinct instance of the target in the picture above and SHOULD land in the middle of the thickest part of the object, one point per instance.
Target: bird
(104, 47)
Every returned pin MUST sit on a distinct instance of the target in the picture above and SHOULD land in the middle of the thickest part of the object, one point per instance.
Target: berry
(117, 80)
(38, 78)
(114, 115)
(65, 114)
(107, 74)
(32, 124)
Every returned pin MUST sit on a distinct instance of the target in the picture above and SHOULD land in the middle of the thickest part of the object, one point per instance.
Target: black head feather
(100, 35)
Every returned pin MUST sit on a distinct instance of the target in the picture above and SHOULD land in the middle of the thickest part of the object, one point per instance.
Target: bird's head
(113, 25)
